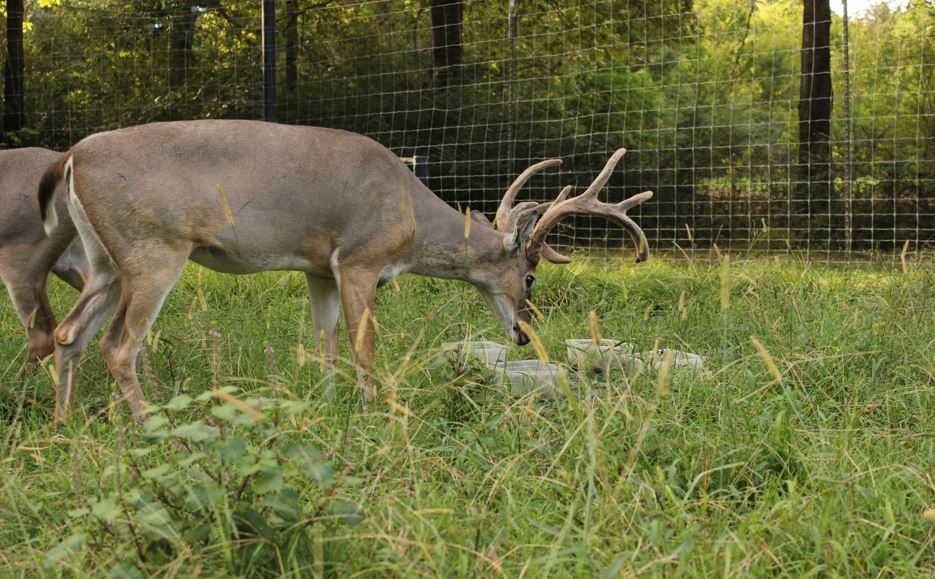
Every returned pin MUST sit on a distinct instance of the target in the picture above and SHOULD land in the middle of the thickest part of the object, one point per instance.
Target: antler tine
(587, 203)
(563, 194)
(605, 174)
(506, 213)
(636, 234)
(635, 200)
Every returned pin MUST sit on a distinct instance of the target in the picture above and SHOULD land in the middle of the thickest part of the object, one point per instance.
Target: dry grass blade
(361, 330)
(767, 359)
(664, 377)
(237, 403)
(536, 311)
(228, 214)
(725, 282)
(536, 341)
(902, 257)
(594, 327)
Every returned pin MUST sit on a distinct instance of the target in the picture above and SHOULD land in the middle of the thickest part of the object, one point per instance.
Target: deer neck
(444, 247)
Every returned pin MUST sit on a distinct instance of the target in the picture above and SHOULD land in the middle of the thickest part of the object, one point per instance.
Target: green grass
(828, 471)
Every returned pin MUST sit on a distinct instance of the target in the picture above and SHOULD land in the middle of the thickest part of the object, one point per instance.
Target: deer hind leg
(91, 311)
(325, 302)
(145, 283)
(93, 308)
(27, 288)
(358, 288)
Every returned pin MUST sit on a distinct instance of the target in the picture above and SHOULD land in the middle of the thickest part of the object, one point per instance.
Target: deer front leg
(32, 306)
(325, 302)
(358, 289)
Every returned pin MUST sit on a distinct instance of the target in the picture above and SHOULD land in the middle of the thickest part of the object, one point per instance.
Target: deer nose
(521, 338)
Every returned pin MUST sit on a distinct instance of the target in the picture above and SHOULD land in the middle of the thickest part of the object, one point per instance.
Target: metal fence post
(269, 60)
(848, 175)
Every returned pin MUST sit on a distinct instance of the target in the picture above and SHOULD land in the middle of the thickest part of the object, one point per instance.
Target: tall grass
(806, 447)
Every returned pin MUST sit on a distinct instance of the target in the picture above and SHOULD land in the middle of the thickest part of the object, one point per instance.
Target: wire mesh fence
(707, 96)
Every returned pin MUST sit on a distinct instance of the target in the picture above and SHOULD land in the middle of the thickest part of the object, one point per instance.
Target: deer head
(507, 280)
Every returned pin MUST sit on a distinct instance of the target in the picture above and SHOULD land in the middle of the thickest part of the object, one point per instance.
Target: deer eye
(530, 279)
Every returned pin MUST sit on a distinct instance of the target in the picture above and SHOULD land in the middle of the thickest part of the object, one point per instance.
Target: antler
(506, 213)
(587, 203)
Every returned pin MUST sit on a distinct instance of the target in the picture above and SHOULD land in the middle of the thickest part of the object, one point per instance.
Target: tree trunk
(447, 50)
(13, 69)
(292, 44)
(815, 99)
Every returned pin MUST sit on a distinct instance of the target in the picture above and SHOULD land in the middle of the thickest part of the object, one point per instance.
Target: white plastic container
(587, 356)
(461, 354)
(531, 376)
(680, 359)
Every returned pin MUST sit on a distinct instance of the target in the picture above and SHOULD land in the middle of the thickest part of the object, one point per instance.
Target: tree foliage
(703, 93)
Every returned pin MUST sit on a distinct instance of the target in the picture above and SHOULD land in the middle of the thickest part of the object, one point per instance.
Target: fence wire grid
(706, 95)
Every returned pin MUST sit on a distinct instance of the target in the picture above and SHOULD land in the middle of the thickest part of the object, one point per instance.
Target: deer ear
(525, 223)
(553, 256)
(480, 218)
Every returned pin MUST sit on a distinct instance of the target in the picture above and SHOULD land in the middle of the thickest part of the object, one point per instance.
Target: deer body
(27, 255)
(248, 196)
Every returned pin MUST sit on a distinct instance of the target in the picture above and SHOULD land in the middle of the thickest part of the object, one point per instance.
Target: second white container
(587, 356)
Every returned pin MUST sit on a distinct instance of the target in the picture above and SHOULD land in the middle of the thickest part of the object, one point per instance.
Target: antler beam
(588, 204)
(506, 213)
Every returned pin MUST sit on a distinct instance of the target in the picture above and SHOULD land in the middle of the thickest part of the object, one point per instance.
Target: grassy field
(812, 454)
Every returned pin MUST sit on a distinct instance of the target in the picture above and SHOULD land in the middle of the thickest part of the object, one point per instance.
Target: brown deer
(247, 196)
(27, 255)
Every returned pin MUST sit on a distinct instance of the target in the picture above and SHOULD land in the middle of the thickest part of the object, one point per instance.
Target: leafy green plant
(215, 474)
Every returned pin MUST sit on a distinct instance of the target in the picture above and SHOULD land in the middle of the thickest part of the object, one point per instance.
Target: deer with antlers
(248, 196)
(27, 255)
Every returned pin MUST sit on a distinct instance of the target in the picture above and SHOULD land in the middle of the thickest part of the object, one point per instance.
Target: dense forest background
(705, 95)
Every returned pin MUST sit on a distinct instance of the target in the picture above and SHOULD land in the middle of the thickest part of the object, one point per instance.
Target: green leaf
(157, 517)
(267, 482)
(251, 523)
(192, 458)
(125, 571)
(286, 504)
(180, 402)
(348, 511)
(68, 545)
(293, 407)
(202, 496)
(244, 419)
(224, 412)
(155, 422)
(321, 472)
(204, 397)
(198, 533)
(197, 431)
(106, 509)
(231, 449)
(157, 472)
(247, 468)
(302, 453)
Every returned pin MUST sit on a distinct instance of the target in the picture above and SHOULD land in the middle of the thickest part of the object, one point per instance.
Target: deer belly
(223, 261)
